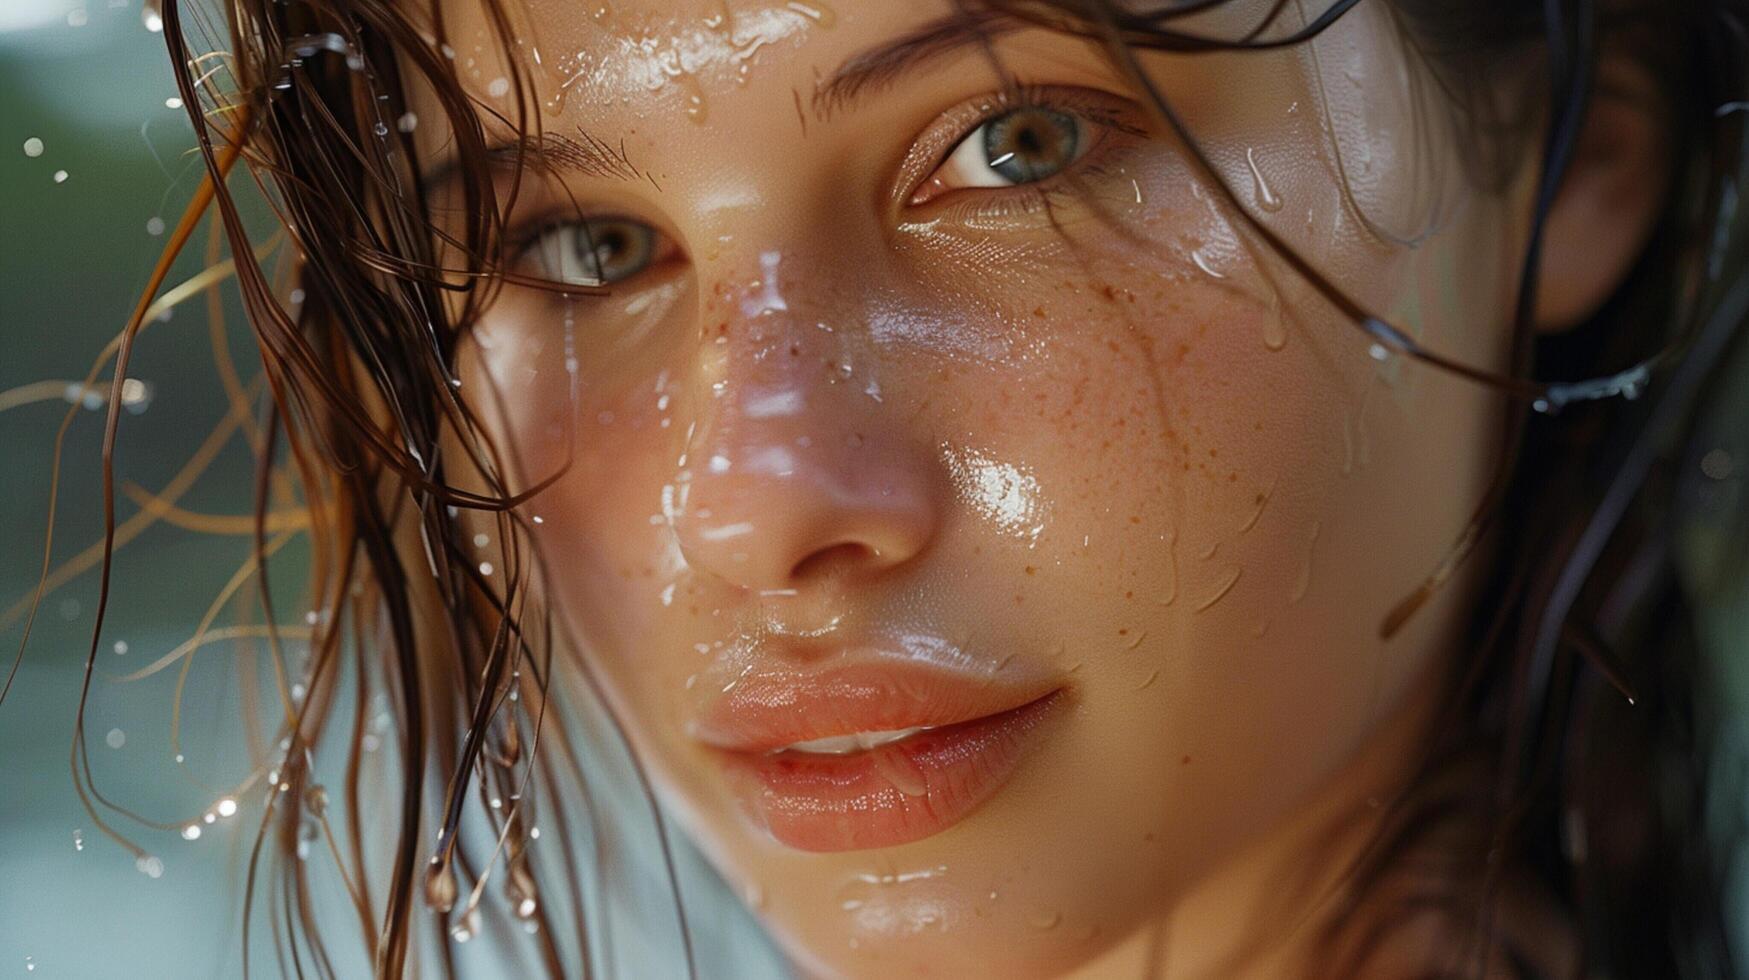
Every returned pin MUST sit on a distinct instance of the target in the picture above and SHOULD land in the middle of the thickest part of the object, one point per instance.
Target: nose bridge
(795, 466)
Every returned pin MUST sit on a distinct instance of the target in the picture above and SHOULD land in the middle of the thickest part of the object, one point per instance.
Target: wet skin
(874, 432)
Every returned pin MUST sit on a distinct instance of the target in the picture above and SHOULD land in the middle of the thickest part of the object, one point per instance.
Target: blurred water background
(94, 166)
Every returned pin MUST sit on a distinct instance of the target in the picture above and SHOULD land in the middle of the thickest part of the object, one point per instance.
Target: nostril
(833, 559)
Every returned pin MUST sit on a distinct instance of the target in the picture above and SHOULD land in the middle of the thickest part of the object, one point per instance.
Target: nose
(797, 471)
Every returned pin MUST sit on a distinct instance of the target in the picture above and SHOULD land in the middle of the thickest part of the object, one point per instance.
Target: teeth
(854, 742)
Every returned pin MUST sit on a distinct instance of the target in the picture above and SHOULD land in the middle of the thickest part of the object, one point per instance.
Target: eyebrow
(584, 154)
(867, 72)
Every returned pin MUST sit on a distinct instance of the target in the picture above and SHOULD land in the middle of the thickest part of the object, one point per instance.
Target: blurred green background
(89, 79)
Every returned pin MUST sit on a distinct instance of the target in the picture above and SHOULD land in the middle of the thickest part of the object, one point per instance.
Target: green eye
(594, 253)
(1030, 144)
(1021, 146)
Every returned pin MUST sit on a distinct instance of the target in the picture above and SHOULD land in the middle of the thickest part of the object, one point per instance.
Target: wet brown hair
(1583, 603)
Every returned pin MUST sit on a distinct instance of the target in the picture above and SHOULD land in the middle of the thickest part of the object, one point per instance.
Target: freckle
(1123, 632)
(1018, 598)
(1038, 311)
(1148, 837)
(1032, 570)
(1135, 519)
(1185, 761)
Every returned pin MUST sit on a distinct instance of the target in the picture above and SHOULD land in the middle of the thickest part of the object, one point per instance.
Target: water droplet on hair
(1265, 196)
(149, 17)
(381, 128)
(33, 147)
(191, 832)
(440, 886)
(467, 927)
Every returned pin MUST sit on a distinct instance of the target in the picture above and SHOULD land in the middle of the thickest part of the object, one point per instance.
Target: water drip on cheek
(1264, 195)
(1275, 323)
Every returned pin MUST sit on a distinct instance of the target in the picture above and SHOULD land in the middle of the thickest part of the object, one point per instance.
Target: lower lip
(894, 794)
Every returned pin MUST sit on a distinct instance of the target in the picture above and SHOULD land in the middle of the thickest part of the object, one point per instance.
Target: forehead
(698, 57)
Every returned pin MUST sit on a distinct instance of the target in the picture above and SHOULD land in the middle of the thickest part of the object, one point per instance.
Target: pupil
(1029, 145)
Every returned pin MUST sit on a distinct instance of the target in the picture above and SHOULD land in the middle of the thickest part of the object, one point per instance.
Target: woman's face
(982, 536)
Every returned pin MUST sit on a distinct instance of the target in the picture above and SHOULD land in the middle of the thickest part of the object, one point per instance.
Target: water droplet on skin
(33, 147)
(815, 11)
(149, 866)
(78, 841)
(116, 738)
(1264, 195)
(1221, 591)
(173, 102)
(1347, 444)
(78, 17)
(154, 226)
(1275, 324)
(61, 176)
(696, 109)
(227, 807)
(499, 88)
(1304, 582)
(1172, 562)
(149, 17)
(901, 772)
(755, 895)
(1202, 263)
(121, 647)
(1043, 919)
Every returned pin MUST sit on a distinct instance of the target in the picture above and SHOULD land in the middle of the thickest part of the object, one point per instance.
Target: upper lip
(862, 688)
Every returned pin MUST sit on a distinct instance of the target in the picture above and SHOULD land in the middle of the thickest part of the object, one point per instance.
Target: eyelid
(1105, 112)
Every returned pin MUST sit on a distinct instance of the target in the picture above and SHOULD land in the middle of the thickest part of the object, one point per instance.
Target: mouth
(873, 754)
